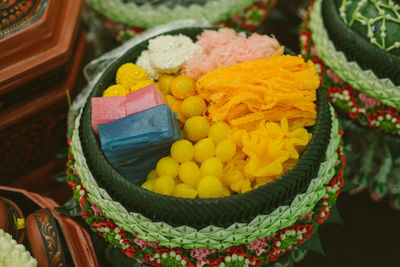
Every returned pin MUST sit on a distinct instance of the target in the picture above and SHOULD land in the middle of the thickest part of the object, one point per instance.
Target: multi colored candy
(107, 109)
(242, 123)
(133, 144)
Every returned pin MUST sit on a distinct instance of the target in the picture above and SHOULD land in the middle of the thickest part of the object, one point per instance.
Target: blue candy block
(135, 143)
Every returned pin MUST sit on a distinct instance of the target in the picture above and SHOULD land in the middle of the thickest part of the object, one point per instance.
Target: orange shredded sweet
(266, 89)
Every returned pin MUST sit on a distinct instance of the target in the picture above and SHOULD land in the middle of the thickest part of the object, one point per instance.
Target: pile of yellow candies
(195, 169)
(129, 78)
(180, 93)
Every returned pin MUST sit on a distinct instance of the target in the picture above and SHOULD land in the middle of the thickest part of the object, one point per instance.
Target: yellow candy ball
(129, 74)
(226, 192)
(148, 185)
(182, 87)
(164, 185)
(231, 177)
(196, 128)
(152, 175)
(193, 106)
(204, 149)
(190, 173)
(219, 131)
(185, 191)
(170, 100)
(167, 166)
(115, 90)
(210, 187)
(182, 150)
(165, 83)
(140, 85)
(213, 167)
(176, 107)
(225, 150)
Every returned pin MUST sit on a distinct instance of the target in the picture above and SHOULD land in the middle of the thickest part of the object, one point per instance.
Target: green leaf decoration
(334, 217)
(71, 208)
(351, 156)
(298, 254)
(60, 177)
(62, 154)
(348, 185)
(314, 244)
(284, 261)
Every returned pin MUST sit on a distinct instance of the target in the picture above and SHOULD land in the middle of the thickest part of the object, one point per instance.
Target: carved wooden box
(41, 48)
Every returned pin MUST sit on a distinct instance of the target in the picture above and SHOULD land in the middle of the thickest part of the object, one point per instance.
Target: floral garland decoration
(260, 251)
(357, 105)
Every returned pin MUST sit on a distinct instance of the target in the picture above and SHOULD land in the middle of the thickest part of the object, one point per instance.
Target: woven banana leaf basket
(253, 228)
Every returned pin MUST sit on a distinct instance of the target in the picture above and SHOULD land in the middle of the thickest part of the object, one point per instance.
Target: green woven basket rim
(147, 16)
(355, 48)
(199, 213)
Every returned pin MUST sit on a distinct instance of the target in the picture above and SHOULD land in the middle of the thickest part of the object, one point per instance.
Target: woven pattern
(211, 236)
(147, 15)
(362, 80)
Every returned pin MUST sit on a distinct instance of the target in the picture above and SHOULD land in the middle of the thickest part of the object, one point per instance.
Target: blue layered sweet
(107, 109)
(135, 143)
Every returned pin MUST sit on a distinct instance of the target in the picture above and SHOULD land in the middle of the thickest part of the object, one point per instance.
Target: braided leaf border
(211, 236)
(148, 16)
(363, 80)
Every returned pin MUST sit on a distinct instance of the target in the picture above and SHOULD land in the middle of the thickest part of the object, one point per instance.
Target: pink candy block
(107, 109)
(143, 99)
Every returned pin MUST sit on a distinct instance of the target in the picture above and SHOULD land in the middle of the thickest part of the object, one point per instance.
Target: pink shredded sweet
(225, 47)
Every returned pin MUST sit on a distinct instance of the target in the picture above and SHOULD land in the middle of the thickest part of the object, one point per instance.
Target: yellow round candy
(176, 106)
(210, 187)
(115, 90)
(219, 131)
(182, 150)
(230, 177)
(204, 149)
(213, 167)
(185, 191)
(182, 87)
(190, 173)
(164, 185)
(148, 185)
(129, 74)
(226, 192)
(193, 106)
(196, 128)
(225, 150)
(167, 166)
(152, 175)
(170, 100)
(140, 85)
(165, 83)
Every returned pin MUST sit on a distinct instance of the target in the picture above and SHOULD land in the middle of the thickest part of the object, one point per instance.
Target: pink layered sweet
(107, 109)
(225, 47)
(144, 98)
